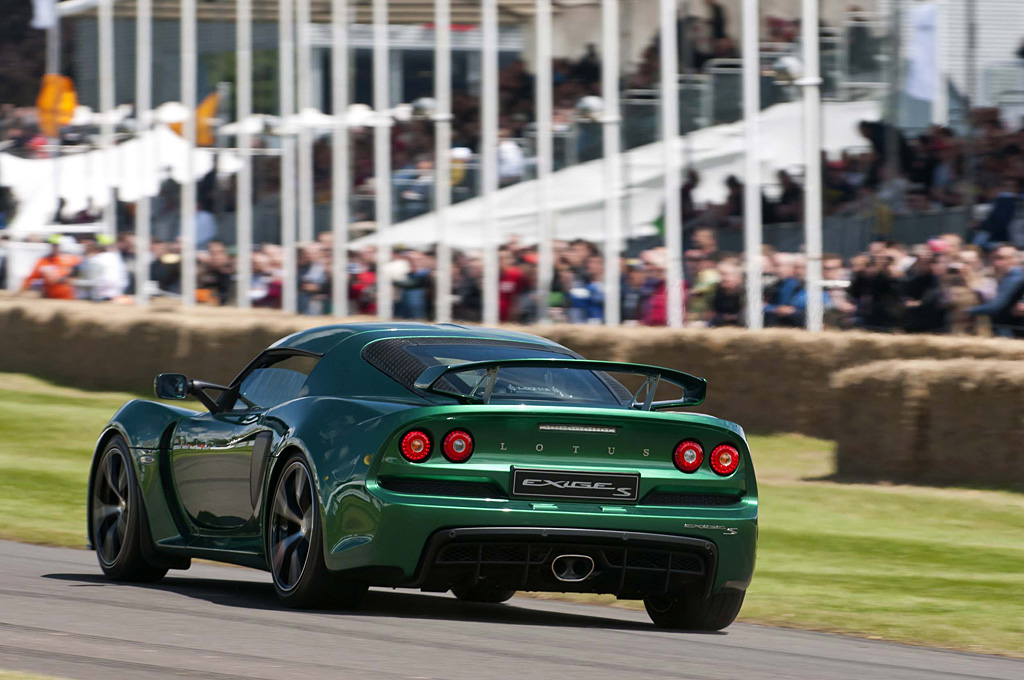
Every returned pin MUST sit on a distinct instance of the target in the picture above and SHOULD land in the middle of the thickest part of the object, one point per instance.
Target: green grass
(941, 567)
(914, 564)
(46, 439)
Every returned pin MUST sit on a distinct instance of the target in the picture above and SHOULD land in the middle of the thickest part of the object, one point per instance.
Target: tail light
(457, 446)
(688, 456)
(725, 459)
(415, 446)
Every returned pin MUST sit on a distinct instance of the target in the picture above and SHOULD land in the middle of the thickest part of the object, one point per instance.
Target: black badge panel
(591, 486)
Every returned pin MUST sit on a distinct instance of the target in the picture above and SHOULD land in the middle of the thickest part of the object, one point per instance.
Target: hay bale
(932, 421)
(975, 423)
(767, 381)
(880, 416)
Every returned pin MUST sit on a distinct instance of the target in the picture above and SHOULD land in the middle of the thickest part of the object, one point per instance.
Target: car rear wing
(694, 388)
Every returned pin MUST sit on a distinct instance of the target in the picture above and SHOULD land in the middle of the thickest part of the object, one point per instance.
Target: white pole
(612, 159)
(188, 187)
(670, 159)
(545, 153)
(442, 156)
(488, 157)
(53, 66)
(382, 154)
(243, 195)
(286, 94)
(53, 47)
(811, 83)
(752, 236)
(143, 106)
(940, 104)
(107, 105)
(339, 146)
(304, 67)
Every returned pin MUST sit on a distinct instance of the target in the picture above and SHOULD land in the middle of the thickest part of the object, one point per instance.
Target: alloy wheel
(110, 505)
(291, 525)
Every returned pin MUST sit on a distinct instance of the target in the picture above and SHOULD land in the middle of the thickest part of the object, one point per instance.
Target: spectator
(511, 161)
(926, 303)
(216, 273)
(314, 270)
(206, 225)
(414, 287)
(727, 305)
(53, 272)
(790, 206)
(101, 275)
(875, 289)
(634, 291)
(1004, 310)
(787, 300)
(716, 20)
(839, 309)
(995, 228)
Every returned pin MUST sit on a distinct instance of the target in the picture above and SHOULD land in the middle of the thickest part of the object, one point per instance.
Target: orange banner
(56, 103)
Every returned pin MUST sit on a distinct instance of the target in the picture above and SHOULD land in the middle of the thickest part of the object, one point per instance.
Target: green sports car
(436, 457)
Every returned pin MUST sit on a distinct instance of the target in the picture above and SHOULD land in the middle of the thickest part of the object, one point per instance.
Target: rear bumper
(628, 564)
(399, 537)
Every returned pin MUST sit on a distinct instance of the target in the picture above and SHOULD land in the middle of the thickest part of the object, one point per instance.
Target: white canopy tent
(578, 191)
(135, 168)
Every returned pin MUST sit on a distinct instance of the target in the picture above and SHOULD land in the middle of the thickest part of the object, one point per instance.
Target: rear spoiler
(694, 388)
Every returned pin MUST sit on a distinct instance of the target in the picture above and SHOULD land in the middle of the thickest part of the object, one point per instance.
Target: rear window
(514, 385)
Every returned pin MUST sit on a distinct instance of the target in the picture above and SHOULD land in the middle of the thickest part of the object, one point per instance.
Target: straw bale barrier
(956, 421)
(768, 381)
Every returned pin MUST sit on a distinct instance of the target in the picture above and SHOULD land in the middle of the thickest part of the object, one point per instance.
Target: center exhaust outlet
(572, 568)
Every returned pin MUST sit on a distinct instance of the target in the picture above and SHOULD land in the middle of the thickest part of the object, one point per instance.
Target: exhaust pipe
(572, 568)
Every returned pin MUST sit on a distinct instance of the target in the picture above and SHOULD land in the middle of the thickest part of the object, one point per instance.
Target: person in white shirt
(511, 162)
(102, 275)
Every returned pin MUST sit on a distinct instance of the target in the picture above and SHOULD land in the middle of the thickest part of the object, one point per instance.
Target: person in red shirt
(54, 271)
(511, 285)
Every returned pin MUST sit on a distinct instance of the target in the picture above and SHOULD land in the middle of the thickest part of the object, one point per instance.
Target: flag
(44, 14)
(922, 71)
(206, 112)
(56, 103)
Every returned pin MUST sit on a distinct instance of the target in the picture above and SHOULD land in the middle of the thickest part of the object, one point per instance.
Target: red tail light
(415, 446)
(725, 459)
(688, 456)
(457, 446)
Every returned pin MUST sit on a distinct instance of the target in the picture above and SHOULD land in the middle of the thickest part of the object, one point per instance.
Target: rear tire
(482, 594)
(116, 516)
(295, 546)
(681, 612)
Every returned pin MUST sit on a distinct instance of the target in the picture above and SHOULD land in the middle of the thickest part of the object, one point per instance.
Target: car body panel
(205, 478)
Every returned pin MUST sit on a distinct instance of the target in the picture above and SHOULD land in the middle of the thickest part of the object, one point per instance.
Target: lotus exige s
(435, 457)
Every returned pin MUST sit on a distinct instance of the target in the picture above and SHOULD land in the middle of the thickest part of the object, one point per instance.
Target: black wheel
(115, 517)
(482, 594)
(695, 613)
(295, 545)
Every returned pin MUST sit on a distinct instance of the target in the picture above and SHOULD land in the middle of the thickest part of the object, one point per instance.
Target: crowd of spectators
(942, 286)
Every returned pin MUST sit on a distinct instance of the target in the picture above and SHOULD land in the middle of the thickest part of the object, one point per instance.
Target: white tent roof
(578, 192)
(83, 177)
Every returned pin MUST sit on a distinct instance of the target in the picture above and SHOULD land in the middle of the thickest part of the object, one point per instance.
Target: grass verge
(922, 565)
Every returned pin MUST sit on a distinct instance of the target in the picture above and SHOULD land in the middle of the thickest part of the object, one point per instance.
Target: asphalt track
(58, 616)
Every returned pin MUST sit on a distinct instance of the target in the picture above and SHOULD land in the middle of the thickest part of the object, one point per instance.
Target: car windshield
(520, 384)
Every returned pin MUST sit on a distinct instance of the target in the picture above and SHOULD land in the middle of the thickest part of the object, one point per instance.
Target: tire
(482, 594)
(116, 516)
(695, 613)
(295, 546)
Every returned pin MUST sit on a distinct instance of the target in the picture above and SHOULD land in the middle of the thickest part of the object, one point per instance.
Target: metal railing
(850, 235)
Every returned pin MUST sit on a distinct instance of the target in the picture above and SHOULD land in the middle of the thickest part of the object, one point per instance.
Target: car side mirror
(171, 386)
